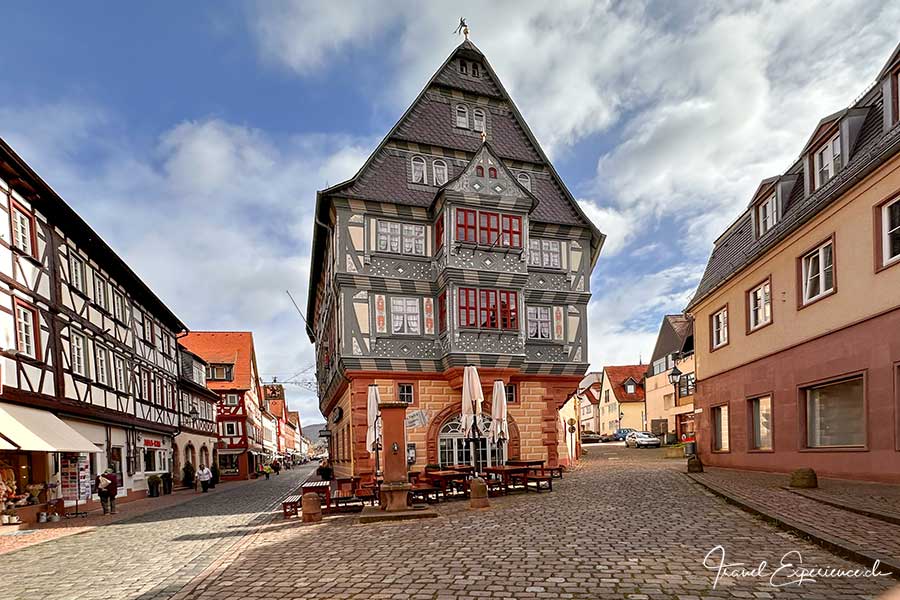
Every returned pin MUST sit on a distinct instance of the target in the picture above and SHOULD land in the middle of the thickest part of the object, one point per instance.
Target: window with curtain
(405, 315)
(720, 428)
(835, 414)
(761, 419)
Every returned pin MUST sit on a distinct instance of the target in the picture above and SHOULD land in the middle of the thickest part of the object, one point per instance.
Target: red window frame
(35, 326)
(32, 227)
(509, 309)
(468, 307)
(487, 309)
(479, 171)
(492, 173)
(511, 230)
(466, 225)
(439, 232)
(488, 228)
(442, 312)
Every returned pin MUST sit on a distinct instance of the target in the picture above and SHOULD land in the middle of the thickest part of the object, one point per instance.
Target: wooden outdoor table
(462, 468)
(506, 472)
(442, 478)
(525, 463)
(318, 487)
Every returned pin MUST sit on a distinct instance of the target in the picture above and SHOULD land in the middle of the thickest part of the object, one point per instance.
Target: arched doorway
(176, 461)
(455, 449)
(204, 455)
(190, 455)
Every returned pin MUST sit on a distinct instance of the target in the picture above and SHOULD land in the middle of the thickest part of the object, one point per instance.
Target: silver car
(642, 439)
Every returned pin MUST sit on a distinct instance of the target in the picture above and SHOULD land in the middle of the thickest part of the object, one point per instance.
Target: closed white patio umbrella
(499, 433)
(373, 420)
(472, 398)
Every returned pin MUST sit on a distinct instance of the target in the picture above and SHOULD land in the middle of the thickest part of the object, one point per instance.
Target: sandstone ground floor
(831, 404)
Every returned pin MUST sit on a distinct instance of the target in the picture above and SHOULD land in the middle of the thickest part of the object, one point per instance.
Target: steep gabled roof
(618, 375)
(674, 331)
(427, 122)
(225, 347)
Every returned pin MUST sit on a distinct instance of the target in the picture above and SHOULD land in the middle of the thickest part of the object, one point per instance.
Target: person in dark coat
(107, 487)
(276, 466)
(324, 471)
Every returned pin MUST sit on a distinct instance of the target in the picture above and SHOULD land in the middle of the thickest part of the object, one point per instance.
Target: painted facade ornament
(380, 318)
(429, 316)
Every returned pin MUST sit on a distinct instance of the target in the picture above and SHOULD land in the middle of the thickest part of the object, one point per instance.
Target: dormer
(630, 385)
(830, 145)
(769, 202)
(889, 78)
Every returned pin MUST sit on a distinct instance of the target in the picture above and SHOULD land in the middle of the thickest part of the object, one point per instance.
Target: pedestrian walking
(276, 466)
(204, 475)
(107, 487)
(324, 471)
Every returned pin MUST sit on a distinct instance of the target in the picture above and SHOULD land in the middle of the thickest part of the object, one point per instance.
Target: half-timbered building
(89, 350)
(232, 374)
(456, 243)
(198, 437)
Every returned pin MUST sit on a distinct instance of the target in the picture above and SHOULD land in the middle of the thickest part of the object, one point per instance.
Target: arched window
(492, 173)
(479, 171)
(418, 170)
(478, 119)
(439, 171)
(455, 449)
(204, 456)
(474, 69)
(462, 117)
(525, 180)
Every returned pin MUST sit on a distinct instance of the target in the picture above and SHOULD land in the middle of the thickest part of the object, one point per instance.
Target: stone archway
(176, 462)
(204, 455)
(513, 450)
(190, 455)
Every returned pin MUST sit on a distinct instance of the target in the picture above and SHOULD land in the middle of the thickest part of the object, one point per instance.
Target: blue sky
(193, 136)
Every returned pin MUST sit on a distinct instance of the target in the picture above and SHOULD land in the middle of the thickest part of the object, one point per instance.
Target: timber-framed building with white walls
(90, 349)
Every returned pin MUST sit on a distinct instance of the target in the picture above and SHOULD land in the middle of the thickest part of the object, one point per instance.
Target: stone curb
(829, 542)
(887, 517)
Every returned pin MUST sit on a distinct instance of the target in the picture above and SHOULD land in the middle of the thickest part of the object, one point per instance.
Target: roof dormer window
(478, 119)
(463, 67)
(479, 171)
(439, 170)
(418, 170)
(475, 69)
(524, 180)
(767, 214)
(462, 117)
(629, 387)
(492, 173)
(828, 160)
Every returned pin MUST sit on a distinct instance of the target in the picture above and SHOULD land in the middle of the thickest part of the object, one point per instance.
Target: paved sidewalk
(627, 524)
(36, 533)
(146, 557)
(831, 515)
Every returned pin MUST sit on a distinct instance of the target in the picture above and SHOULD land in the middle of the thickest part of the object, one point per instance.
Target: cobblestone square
(626, 524)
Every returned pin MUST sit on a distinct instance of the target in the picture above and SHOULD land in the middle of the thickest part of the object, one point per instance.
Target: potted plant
(187, 475)
(153, 483)
(215, 475)
(11, 517)
(166, 483)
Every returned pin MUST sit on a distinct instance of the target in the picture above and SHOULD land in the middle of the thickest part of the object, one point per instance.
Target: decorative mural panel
(428, 314)
(558, 323)
(380, 314)
(545, 353)
(398, 268)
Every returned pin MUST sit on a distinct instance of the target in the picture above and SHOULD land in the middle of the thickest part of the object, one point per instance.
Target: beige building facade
(670, 407)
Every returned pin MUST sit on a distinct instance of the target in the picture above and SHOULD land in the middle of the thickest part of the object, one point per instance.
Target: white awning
(34, 430)
(4, 445)
(230, 451)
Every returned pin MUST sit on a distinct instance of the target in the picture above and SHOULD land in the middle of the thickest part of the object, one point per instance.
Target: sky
(193, 136)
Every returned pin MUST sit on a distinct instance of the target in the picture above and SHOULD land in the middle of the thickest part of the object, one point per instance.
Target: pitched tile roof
(225, 347)
(673, 333)
(739, 246)
(618, 375)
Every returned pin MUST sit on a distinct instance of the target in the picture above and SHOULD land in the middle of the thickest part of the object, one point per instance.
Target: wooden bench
(495, 487)
(424, 492)
(537, 480)
(291, 506)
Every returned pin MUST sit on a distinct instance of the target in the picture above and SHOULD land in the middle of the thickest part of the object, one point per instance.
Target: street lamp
(195, 414)
(674, 375)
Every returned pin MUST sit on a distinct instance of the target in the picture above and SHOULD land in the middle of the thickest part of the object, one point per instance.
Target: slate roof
(618, 375)
(738, 247)
(225, 347)
(673, 333)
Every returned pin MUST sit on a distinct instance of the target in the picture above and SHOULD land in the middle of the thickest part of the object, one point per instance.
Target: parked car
(590, 438)
(642, 439)
(607, 437)
(621, 434)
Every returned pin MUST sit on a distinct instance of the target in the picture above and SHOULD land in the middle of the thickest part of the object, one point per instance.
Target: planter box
(674, 452)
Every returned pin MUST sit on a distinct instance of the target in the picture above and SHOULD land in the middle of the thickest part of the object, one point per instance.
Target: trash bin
(690, 448)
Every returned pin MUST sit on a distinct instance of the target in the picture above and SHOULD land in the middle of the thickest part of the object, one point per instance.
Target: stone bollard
(804, 478)
(311, 506)
(694, 465)
(478, 493)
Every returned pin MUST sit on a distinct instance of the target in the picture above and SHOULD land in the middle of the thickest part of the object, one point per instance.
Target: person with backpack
(107, 487)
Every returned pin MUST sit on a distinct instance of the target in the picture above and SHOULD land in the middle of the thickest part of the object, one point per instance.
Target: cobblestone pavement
(147, 557)
(627, 524)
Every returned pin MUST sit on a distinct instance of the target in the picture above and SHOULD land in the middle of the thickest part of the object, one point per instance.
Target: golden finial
(462, 28)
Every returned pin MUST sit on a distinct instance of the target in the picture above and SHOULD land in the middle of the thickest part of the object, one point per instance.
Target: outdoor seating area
(434, 484)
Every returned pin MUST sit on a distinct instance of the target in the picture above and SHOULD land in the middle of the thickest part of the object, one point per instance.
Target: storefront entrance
(455, 449)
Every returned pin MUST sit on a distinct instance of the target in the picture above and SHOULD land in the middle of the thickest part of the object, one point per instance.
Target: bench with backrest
(290, 506)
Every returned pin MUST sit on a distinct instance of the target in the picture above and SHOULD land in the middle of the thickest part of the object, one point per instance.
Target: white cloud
(216, 217)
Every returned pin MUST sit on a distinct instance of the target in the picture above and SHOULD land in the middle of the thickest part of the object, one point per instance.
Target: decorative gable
(487, 175)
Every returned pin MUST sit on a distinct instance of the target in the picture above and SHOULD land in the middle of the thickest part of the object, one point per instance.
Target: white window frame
(400, 238)
(101, 291)
(78, 353)
(76, 272)
(722, 441)
(539, 315)
(759, 302)
(22, 239)
(546, 254)
(461, 116)
(419, 167)
(230, 425)
(629, 388)
(808, 275)
(121, 382)
(118, 305)
(720, 328)
(887, 231)
(231, 400)
(478, 118)
(828, 163)
(767, 215)
(406, 307)
(101, 356)
(439, 172)
(26, 342)
(409, 398)
(524, 180)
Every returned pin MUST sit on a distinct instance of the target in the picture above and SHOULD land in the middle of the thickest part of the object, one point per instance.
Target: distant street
(148, 557)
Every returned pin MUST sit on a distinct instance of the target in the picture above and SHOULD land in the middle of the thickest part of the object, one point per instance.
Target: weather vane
(462, 28)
